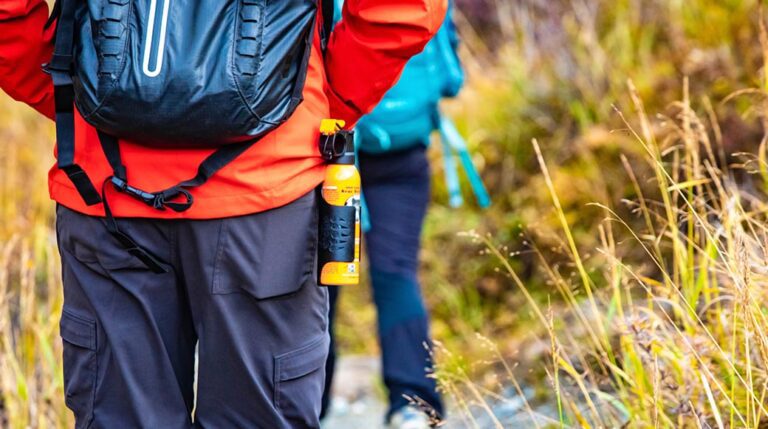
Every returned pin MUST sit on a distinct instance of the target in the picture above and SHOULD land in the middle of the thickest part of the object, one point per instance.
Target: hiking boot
(409, 417)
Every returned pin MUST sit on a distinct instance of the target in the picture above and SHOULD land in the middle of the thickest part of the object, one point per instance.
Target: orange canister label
(342, 188)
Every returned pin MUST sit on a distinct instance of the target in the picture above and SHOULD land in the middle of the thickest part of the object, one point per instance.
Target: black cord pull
(158, 200)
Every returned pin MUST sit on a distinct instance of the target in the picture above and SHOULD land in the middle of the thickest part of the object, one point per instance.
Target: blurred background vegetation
(557, 71)
(578, 76)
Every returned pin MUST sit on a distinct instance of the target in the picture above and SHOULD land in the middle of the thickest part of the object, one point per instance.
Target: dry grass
(678, 338)
(649, 282)
(31, 383)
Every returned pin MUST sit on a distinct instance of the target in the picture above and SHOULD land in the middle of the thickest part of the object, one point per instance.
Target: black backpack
(173, 73)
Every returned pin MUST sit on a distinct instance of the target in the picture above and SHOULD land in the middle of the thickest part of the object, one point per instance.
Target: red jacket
(366, 53)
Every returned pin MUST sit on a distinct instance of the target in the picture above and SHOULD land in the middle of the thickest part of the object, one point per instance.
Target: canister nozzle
(329, 127)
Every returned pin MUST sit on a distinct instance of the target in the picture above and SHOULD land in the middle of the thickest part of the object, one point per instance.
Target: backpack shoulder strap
(447, 43)
(327, 10)
(60, 69)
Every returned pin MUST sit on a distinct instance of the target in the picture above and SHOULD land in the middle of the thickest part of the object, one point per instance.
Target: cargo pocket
(79, 339)
(268, 254)
(299, 381)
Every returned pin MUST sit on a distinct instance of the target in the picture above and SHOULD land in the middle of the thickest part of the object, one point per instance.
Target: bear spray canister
(339, 235)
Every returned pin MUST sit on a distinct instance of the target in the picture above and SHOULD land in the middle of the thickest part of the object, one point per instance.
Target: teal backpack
(409, 113)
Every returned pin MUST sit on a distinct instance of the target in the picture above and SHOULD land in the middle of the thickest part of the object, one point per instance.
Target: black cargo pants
(243, 289)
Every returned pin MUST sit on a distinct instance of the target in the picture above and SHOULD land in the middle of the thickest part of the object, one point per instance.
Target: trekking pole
(451, 172)
(452, 141)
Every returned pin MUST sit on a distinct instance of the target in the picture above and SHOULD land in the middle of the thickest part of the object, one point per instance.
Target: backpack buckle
(123, 186)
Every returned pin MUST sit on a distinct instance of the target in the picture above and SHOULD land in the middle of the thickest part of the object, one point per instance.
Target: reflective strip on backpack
(148, 45)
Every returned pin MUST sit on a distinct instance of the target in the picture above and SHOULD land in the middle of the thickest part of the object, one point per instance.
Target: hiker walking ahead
(185, 184)
(392, 143)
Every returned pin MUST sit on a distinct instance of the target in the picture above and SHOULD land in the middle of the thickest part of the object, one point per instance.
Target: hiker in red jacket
(185, 191)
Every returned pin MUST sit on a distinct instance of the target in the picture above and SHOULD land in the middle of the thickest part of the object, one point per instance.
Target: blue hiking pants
(396, 191)
(241, 290)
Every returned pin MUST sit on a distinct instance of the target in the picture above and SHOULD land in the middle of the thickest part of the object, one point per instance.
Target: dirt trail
(359, 402)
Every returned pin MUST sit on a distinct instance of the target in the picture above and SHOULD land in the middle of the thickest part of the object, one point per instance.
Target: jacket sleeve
(370, 46)
(24, 46)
